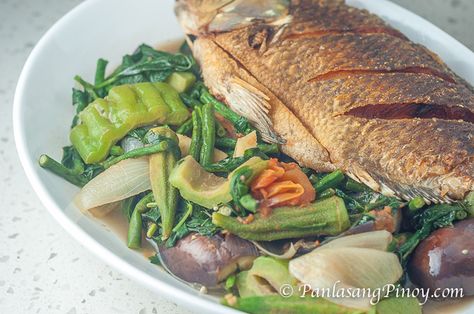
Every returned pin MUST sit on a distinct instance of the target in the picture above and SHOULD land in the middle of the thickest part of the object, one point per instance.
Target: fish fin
(250, 102)
(389, 188)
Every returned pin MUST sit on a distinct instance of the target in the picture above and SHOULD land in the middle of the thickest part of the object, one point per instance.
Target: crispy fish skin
(221, 74)
(385, 110)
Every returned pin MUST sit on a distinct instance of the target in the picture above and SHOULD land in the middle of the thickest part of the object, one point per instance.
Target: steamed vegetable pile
(227, 211)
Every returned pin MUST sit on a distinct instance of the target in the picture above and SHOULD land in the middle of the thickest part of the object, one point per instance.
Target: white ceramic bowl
(110, 29)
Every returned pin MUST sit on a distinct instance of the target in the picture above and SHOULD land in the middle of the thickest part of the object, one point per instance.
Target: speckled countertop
(42, 269)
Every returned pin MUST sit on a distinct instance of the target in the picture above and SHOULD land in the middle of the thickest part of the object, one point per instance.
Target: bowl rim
(188, 300)
(171, 293)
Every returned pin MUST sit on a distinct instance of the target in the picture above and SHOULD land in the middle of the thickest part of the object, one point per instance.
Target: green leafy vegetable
(192, 218)
(155, 260)
(434, 217)
(230, 164)
(147, 65)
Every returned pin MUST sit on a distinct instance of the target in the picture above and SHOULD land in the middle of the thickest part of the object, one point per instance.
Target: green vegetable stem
(196, 140)
(185, 128)
(55, 167)
(329, 181)
(229, 143)
(208, 134)
(230, 164)
(134, 235)
(416, 204)
(240, 123)
(136, 153)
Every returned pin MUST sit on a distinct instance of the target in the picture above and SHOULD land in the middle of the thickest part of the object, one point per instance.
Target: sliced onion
(127, 178)
(377, 240)
(349, 268)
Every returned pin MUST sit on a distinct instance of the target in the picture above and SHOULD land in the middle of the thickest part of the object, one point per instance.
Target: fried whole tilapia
(341, 89)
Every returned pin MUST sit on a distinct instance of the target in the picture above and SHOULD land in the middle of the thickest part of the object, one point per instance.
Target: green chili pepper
(106, 121)
(116, 151)
(179, 113)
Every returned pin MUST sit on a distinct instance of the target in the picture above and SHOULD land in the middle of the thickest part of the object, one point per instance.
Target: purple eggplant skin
(445, 259)
(208, 260)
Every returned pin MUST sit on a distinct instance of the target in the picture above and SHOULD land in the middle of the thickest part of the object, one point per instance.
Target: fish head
(198, 17)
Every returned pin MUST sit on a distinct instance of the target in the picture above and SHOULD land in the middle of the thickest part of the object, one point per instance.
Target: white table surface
(42, 269)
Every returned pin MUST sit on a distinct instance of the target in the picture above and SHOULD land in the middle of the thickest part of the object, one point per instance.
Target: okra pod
(325, 217)
(161, 164)
(196, 139)
(208, 134)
